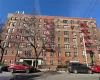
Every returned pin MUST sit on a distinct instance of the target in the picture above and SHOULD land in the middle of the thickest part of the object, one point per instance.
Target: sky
(67, 8)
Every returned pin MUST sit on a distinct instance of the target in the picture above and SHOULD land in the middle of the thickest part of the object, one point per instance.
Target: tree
(42, 44)
(1, 47)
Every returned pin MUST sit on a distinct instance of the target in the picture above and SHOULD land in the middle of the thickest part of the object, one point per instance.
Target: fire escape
(50, 36)
(86, 40)
(86, 37)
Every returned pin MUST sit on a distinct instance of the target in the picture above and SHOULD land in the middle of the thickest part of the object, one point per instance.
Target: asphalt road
(53, 76)
(66, 76)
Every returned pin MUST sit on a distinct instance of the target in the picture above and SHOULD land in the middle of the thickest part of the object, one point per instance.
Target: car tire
(11, 70)
(27, 70)
(75, 71)
(90, 72)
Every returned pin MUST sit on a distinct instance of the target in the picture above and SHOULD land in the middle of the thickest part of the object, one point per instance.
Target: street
(56, 76)
(50, 75)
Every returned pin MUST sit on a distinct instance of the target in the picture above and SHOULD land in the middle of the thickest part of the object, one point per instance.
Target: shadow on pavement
(26, 77)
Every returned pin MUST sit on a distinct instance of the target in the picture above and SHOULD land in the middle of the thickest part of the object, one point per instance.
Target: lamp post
(91, 56)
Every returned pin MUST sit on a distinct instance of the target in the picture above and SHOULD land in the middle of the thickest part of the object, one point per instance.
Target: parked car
(20, 66)
(96, 68)
(76, 67)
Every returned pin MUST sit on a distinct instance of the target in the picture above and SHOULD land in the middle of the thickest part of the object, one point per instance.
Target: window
(4, 44)
(28, 45)
(10, 24)
(9, 45)
(67, 46)
(52, 20)
(28, 53)
(83, 53)
(59, 62)
(6, 37)
(66, 32)
(58, 33)
(18, 37)
(52, 40)
(25, 25)
(66, 39)
(13, 30)
(22, 38)
(66, 27)
(72, 27)
(78, 22)
(19, 52)
(81, 39)
(45, 26)
(92, 23)
(26, 19)
(58, 46)
(67, 54)
(52, 46)
(65, 21)
(75, 49)
(44, 53)
(45, 20)
(12, 51)
(58, 26)
(39, 26)
(12, 18)
(51, 62)
(8, 30)
(72, 21)
(14, 24)
(10, 61)
(75, 54)
(16, 18)
(58, 38)
(6, 52)
(40, 20)
(21, 45)
(59, 53)
(74, 34)
(74, 40)
(4, 61)
(79, 27)
(52, 54)
(58, 21)
(33, 19)
(85, 22)
(11, 37)
(74, 46)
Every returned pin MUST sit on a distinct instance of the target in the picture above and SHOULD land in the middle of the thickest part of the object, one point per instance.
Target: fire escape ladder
(50, 34)
(86, 37)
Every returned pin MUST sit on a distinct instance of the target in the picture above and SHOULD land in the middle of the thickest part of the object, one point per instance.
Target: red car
(96, 68)
(20, 66)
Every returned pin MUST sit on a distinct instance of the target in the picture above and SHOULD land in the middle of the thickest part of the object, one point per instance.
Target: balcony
(48, 22)
(83, 30)
(49, 49)
(88, 50)
(83, 25)
(86, 36)
(48, 27)
(87, 43)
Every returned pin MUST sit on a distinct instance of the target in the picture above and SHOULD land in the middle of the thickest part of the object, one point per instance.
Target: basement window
(11, 61)
(51, 62)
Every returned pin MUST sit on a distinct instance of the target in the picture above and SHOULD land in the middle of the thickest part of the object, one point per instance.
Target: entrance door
(29, 62)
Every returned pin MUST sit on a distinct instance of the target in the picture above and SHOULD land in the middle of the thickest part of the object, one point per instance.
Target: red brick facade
(68, 39)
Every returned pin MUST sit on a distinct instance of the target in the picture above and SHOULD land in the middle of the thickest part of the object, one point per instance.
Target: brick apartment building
(68, 39)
